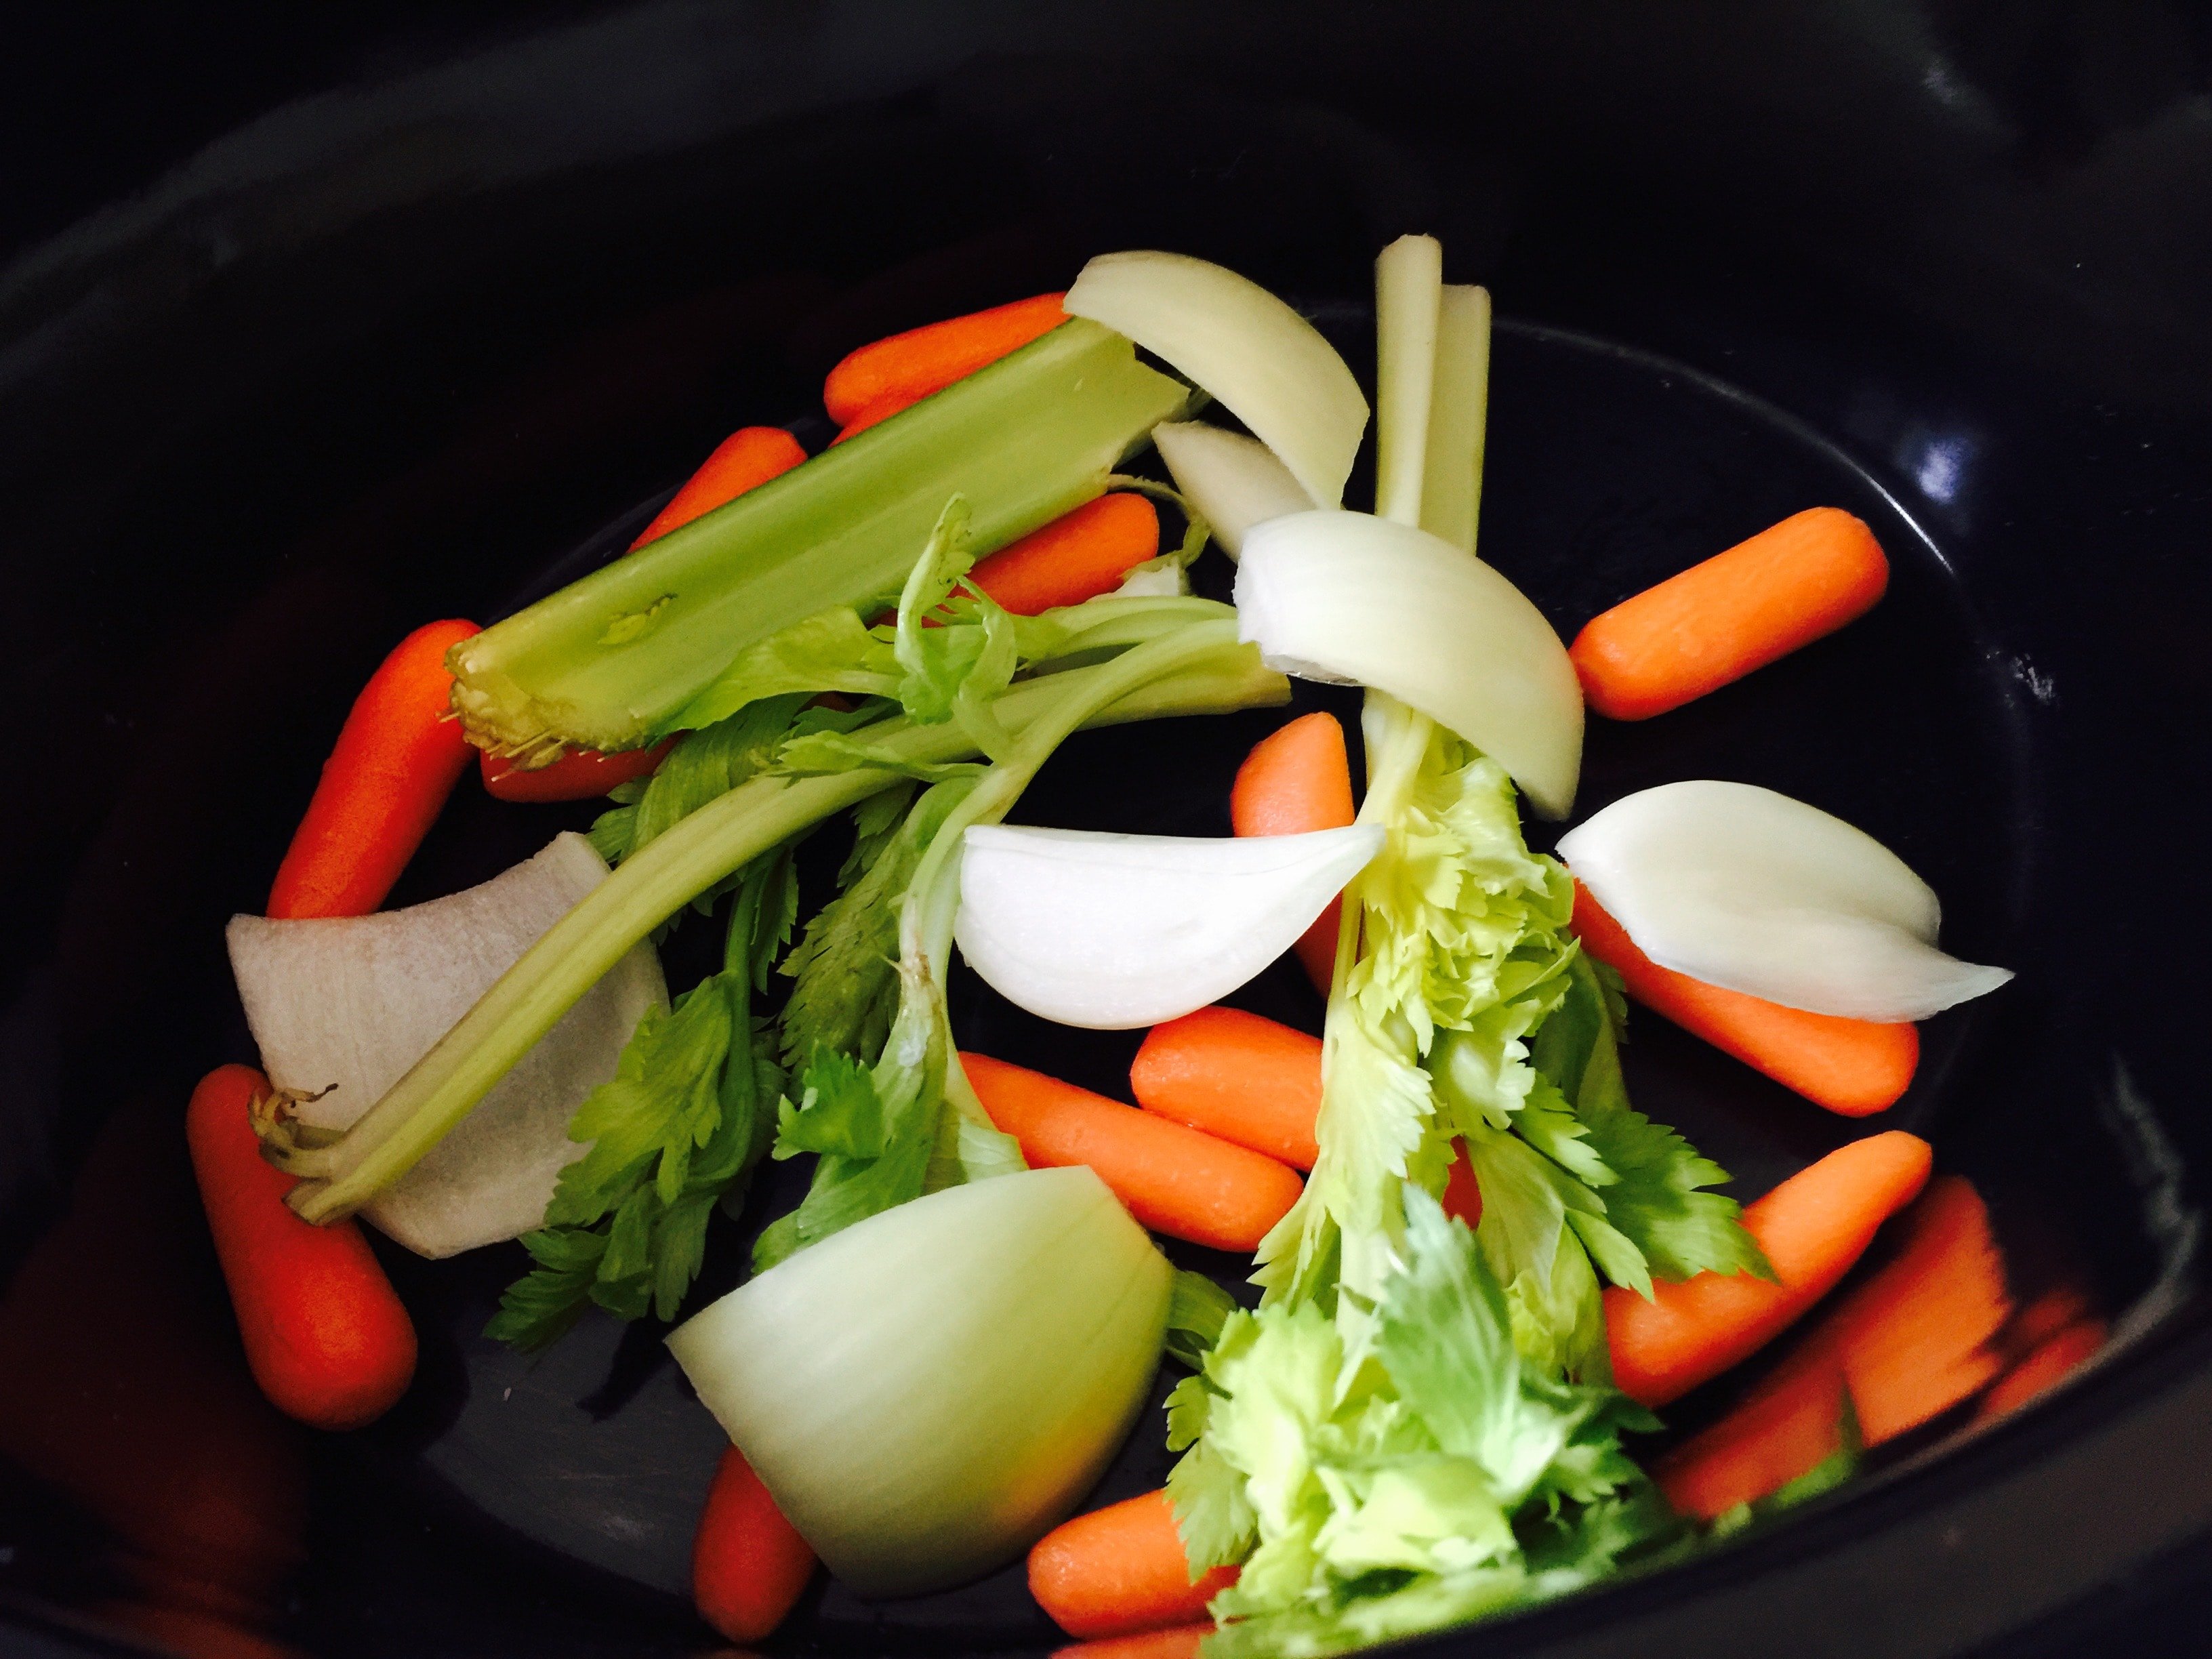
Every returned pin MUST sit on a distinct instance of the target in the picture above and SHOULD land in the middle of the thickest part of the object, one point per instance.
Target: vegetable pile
(1479, 1268)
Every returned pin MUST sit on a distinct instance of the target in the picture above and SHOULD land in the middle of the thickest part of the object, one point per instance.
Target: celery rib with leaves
(694, 1099)
(637, 650)
(1417, 1425)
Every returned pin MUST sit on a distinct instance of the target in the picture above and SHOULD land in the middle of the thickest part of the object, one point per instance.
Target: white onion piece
(1344, 595)
(1459, 410)
(1754, 891)
(1266, 364)
(1114, 932)
(1164, 578)
(1233, 482)
(925, 1393)
(355, 1000)
(1409, 276)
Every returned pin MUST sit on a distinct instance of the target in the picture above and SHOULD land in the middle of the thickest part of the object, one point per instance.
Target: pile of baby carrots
(1222, 1125)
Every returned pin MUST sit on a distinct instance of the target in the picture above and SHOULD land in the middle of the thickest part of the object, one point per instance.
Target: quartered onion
(1113, 931)
(927, 1392)
(1233, 482)
(1261, 360)
(1754, 891)
(1344, 596)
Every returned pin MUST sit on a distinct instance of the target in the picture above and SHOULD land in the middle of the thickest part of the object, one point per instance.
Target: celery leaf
(684, 1119)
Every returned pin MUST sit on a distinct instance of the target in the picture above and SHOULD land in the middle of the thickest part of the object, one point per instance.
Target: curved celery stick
(612, 661)
(1199, 669)
(1452, 497)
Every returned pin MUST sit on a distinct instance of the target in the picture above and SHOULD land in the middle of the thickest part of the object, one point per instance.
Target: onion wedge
(1754, 891)
(1344, 596)
(1233, 482)
(1262, 362)
(1113, 931)
(925, 1393)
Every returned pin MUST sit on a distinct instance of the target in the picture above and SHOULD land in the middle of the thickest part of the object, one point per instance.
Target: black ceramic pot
(462, 300)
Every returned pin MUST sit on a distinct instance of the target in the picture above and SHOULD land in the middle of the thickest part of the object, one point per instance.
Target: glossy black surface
(389, 351)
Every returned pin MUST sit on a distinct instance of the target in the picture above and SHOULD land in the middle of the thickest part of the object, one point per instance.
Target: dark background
(1905, 222)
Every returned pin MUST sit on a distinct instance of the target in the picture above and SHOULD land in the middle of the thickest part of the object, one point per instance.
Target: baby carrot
(749, 1564)
(1785, 1431)
(1852, 1066)
(1173, 1179)
(2061, 1305)
(326, 1338)
(1078, 557)
(1813, 1227)
(876, 413)
(1296, 779)
(579, 775)
(749, 457)
(1913, 1341)
(2057, 1358)
(1737, 611)
(928, 359)
(398, 757)
(1120, 1570)
(1176, 1642)
(1238, 1076)
(1919, 1336)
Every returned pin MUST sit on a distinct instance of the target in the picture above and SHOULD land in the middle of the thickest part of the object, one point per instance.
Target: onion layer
(1345, 596)
(1114, 932)
(925, 1393)
(1754, 891)
(1266, 364)
(1233, 482)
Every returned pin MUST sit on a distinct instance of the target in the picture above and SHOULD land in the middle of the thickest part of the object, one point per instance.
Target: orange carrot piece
(1177, 1641)
(876, 414)
(928, 359)
(1913, 1341)
(1782, 1432)
(749, 1564)
(1737, 611)
(398, 757)
(1920, 1336)
(1813, 1227)
(2055, 1359)
(1174, 1180)
(1120, 1570)
(1237, 1076)
(1852, 1066)
(1078, 557)
(2061, 1305)
(1463, 1199)
(579, 775)
(326, 1338)
(1296, 779)
(748, 458)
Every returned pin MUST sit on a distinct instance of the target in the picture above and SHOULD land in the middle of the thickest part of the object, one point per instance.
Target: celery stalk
(1198, 669)
(612, 661)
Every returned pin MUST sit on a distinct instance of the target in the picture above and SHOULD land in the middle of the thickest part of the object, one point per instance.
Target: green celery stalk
(614, 660)
(1200, 670)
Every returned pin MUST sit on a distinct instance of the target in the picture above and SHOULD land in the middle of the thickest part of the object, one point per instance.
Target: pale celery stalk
(1198, 669)
(1459, 412)
(1408, 289)
(612, 661)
